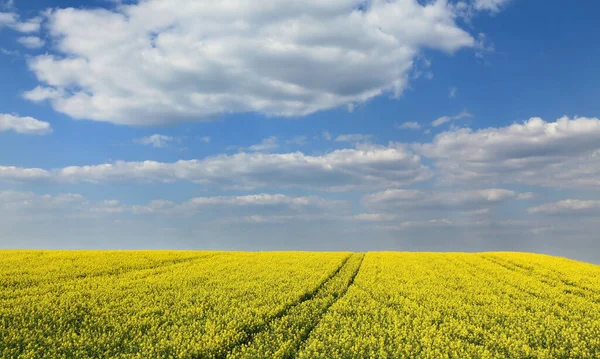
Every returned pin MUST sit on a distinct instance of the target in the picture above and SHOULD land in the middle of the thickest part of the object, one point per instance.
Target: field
(178, 304)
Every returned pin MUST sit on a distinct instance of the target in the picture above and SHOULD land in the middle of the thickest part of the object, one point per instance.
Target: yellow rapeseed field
(202, 304)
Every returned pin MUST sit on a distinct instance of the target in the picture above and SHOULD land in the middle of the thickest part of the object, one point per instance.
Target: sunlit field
(187, 304)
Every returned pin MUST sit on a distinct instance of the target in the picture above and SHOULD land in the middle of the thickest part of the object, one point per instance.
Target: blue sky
(401, 125)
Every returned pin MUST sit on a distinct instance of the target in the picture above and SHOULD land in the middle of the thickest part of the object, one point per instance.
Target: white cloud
(11, 20)
(326, 136)
(565, 153)
(444, 119)
(490, 5)
(31, 42)
(568, 206)
(160, 62)
(7, 19)
(452, 92)
(266, 145)
(483, 46)
(17, 174)
(257, 204)
(156, 140)
(17, 203)
(40, 94)
(526, 195)
(31, 206)
(353, 138)
(404, 225)
(4, 51)
(394, 200)
(374, 217)
(24, 125)
(409, 126)
(340, 170)
(205, 139)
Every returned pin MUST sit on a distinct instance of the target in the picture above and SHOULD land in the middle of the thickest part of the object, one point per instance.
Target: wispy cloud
(353, 137)
(444, 119)
(452, 92)
(266, 145)
(156, 140)
(408, 126)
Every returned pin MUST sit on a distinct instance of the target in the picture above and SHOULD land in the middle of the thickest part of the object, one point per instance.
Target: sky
(400, 125)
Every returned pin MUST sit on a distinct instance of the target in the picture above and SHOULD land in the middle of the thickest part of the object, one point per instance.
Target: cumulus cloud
(31, 42)
(402, 200)
(157, 62)
(24, 125)
(40, 94)
(409, 126)
(17, 174)
(568, 206)
(12, 20)
(156, 140)
(445, 119)
(564, 153)
(340, 170)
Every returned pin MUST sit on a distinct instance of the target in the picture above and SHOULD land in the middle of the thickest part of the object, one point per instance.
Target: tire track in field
(539, 279)
(556, 275)
(17, 293)
(250, 334)
(306, 336)
(543, 277)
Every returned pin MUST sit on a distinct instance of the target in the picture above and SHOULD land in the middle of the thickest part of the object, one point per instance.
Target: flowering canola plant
(210, 304)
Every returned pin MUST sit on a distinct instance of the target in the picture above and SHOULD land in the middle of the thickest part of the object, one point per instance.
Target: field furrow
(282, 337)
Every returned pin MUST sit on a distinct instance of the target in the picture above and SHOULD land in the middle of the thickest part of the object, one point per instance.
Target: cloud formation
(353, 137)
(24, 125)
(568, 206)
(565, 153)
(31, 42)
(490, 5)
(156, 140)
(410, 201)
(158, 62)
(31, 206)
(409, 126)
(445, 119)
(266, 145)
(13, 21)
(340, 170)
